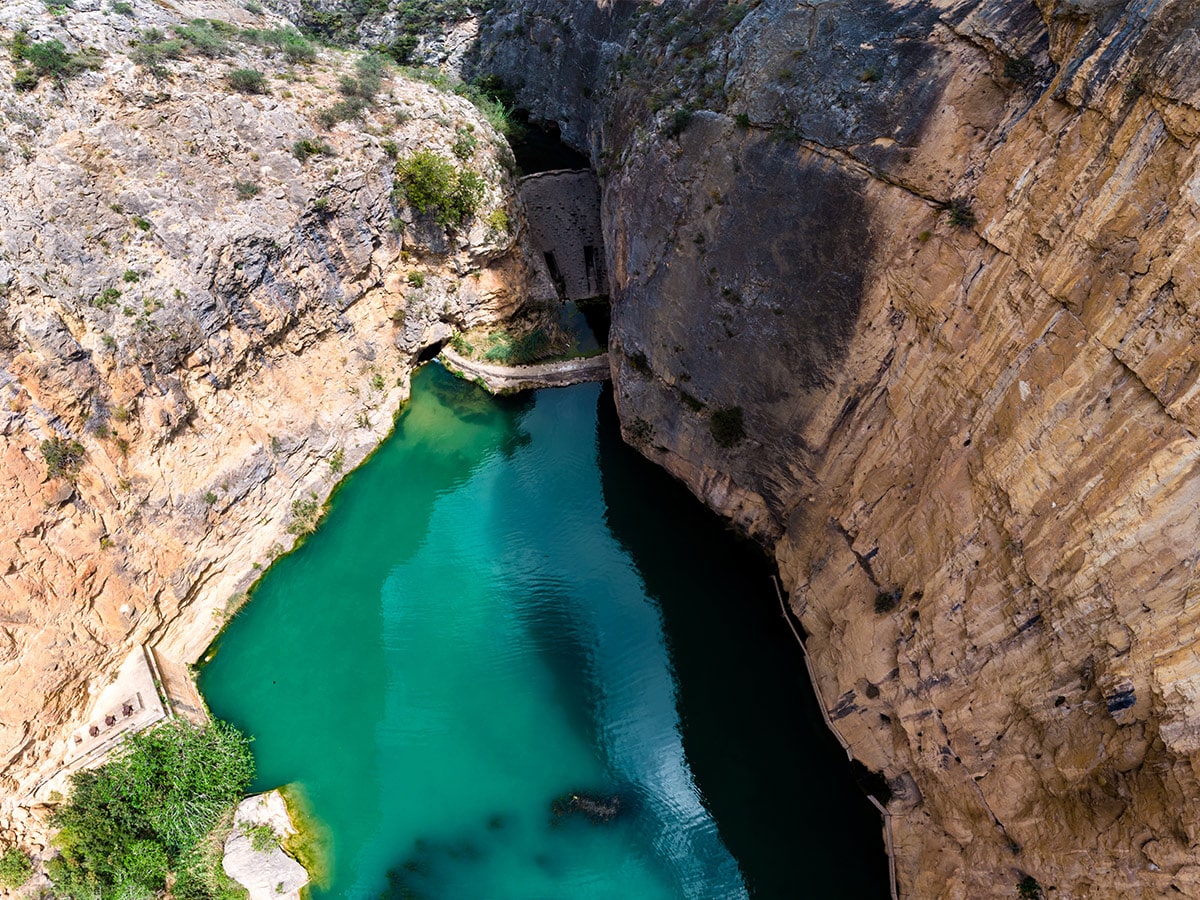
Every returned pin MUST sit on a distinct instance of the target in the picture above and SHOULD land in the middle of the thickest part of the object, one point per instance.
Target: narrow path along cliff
(508, 379)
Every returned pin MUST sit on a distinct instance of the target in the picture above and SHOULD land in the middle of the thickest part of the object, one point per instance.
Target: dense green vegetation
(148, 812)
(519, 349)
(488, 94)
(306, 148)
(430, 183)
(15, 868)
(247, 81)
(288, 41)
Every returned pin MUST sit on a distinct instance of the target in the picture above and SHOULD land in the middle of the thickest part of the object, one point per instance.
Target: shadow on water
(775, 780)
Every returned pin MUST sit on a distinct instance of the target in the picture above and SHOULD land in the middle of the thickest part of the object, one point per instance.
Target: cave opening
(539, 147)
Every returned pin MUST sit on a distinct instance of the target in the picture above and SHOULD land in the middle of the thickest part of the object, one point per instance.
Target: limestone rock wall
(906, 291)
(223, 328)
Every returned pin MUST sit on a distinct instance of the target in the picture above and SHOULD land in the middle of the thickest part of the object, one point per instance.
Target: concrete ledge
(510, 379)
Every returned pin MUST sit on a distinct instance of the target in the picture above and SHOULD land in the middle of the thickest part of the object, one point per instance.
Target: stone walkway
(510, 379)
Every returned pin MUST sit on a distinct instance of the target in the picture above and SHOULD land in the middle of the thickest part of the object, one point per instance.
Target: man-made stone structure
(509, 379)
(562, 208)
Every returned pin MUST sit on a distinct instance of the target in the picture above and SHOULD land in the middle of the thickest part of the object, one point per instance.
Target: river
(506, 608)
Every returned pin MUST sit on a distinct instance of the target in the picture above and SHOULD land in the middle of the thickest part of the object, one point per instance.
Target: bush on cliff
(727, 426)
(63, 458)
(33, 61)
(430, 183)
(144, 814)
(15, 868)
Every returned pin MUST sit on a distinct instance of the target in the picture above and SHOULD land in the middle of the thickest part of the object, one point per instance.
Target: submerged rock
(596, 807)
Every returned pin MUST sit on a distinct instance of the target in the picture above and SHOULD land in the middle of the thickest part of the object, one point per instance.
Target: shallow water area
(505, 608)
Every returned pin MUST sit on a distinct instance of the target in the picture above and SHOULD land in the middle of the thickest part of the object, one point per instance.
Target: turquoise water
(482, 626)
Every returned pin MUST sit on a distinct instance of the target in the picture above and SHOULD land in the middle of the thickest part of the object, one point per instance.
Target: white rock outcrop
(267, 874)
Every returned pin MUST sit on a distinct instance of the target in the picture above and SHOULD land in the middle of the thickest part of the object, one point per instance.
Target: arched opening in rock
(430, 351)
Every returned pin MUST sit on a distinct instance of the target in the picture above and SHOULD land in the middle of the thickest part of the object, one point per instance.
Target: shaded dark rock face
(729, 139)
(555, 56)
(728, 299)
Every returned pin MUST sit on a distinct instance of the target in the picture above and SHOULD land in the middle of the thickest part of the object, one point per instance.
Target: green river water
(505, 606)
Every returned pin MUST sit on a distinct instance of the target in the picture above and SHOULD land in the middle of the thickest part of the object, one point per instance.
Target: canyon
(901, 289)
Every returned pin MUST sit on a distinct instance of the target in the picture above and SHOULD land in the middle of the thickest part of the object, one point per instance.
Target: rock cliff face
(907, 291)
(201, 327)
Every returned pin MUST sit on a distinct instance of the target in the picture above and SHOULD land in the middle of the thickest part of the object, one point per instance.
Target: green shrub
(247, 81)
(429, 183)
(337, 459)
(727, 426)
(416, 278)
(464, 144)
(488, 94)
(253, 7)
(516, 350)
(130, 822)
(306, 511)
(141, 223)
(106, 298)
(678, 122)
(245, 189)
(153, 48)
(15, 868)
(25, 79)
(497, 220)
(341, 111)
(886, 601)
(122, 8)
(131, 276)
(369, 70)
(64, 458)
(206, 37)
(306, 148)
(641, 432)
(262, 837)
(295, 46)
(33, 61)
(961, 213)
